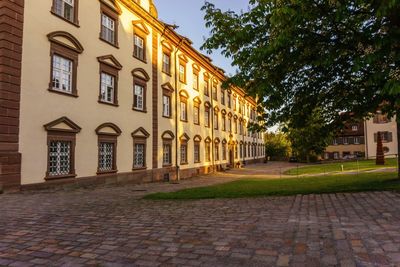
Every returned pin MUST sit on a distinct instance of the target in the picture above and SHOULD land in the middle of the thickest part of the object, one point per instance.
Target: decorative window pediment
(168, 135)
(66, 40)
(62, 124)
(223, 111)
(110, 61)
(140, 27)
(183, 93)
(208, 140)
(112, 4)
(183, 58)
(206, 75)
(217, 140)
(224, 141)
(207, 104)
(197, 100)
(197, 138)
(140, 133)
(216, 109)
(108, 129)
(184, 138)
(168, 87)
(167, 46)
(230, 115)
(141, 74)
(196, 68)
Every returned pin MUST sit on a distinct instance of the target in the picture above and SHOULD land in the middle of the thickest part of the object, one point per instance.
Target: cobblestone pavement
(114, 227)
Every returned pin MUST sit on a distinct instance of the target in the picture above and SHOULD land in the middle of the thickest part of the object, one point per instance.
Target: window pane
(107, 88)
(139, 156)
(62, 74)
(139, 97)
(107, 28)
(106, 154)
(59, 158)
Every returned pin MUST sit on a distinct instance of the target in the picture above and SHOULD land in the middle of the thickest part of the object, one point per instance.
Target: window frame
(139, 137)
(114, 15)
(141, 83)
(112, 71)
(112, 139)
(143, 37)
(167, 53)
(196, 106)
(75, 21)
(183, 99)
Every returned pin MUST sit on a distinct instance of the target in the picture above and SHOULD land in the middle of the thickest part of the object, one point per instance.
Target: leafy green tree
(277, 146)
(309, 136)
(296, 55)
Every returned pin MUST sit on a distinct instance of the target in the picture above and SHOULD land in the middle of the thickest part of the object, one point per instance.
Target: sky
(190, 19)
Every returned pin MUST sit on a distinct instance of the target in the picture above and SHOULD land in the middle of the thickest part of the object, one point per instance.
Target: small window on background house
(108, 29)
(59, 158)
(345, 141)
(229, 100)
(139, 47)
(166, 67)
(354, 128)
(357, 140)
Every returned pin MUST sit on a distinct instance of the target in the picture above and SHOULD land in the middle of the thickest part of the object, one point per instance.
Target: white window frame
(62, 76)
(138, 98)
(107, 92)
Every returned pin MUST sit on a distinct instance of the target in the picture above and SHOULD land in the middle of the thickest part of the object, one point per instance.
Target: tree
(277, 146)
(309, 136)
(296, 55)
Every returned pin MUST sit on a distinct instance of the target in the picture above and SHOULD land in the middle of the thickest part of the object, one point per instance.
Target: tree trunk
(398, 144)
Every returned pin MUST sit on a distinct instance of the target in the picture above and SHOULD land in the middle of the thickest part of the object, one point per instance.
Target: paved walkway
(114, 227)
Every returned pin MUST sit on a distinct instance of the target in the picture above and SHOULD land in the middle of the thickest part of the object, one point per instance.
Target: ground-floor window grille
(106, 157)
(139, 156)
(59, 158)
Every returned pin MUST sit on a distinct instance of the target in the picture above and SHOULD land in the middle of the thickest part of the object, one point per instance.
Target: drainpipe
(212, 122)
(176, 108)
(366, 138)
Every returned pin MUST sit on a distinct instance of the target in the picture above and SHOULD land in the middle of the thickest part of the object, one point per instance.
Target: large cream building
(103, 91)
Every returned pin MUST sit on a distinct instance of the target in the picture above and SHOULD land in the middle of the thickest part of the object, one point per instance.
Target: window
(229, 100)
(167, 138)
(387, 137)
(356, 140)
(216, 151)
(167, 154)
(196, 149)
(59, 158)
(166, 66)
(64, 62)
(140, 79)
(222, 96)
(244, 150)
(139, 47)
(107, 144)
(235, 125)
(66, 9)
(138, 99)
(184, 153)
(236, 151)
(229, 124)
(240, 127)
(215, 90)
(335, 141)
(354, 128)
(196, 81)
(61, 149)
(196, 111)
(108, 29)
(107, 88)
(183, 110)
(224, 150)
(139, 148)
(207, 116)
(241, 150)
(62, 74)
(182, 73)
(335, 155)
(345, 141)
(215, 120)
(109, 80)
(166, 106)
(207, 150)
(206, 86)
(223, 122)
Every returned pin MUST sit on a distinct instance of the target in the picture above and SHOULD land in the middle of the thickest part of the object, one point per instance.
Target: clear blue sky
(190, 19)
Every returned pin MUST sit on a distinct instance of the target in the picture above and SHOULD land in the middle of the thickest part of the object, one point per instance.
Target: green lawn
(288, 186)
(337, 167)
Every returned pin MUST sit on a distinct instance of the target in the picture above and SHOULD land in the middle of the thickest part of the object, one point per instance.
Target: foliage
(309, 135)
(288, 187)
(277, 146)
(361, 165)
